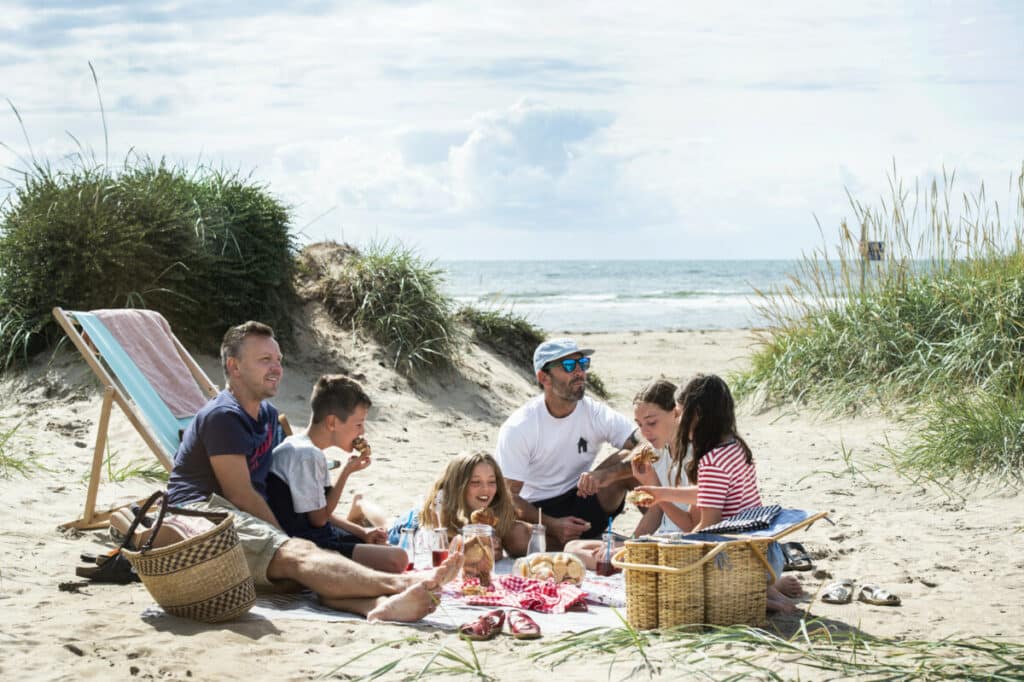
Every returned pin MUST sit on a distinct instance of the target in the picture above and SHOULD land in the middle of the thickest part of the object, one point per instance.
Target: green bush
(934, 332)
(396, 297)
(504, 332)
(206, 248)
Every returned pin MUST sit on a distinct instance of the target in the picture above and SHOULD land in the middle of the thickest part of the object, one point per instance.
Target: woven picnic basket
(204, 577)
(735, 582)
(683, 583)
(641, 584)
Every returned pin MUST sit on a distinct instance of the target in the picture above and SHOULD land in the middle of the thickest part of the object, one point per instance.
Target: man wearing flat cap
(547, 448)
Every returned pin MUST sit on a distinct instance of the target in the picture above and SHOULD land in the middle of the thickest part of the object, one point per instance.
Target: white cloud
(677, 122)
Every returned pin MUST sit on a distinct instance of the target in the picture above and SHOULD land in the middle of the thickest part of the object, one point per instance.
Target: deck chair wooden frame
(114, 392)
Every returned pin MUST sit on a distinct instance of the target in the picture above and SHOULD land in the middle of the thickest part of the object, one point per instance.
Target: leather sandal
(483, 628)
(522, 626)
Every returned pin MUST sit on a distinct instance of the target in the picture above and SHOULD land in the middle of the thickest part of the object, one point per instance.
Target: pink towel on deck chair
(148, 340)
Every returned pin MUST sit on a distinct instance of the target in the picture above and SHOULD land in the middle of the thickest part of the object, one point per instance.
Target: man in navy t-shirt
(222, 465)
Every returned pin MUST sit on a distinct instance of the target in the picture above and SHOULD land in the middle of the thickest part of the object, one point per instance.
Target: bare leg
(333, 576)
(366, 513)
(381, 557)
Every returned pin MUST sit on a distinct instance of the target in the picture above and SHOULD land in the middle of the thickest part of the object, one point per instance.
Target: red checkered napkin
(525, 593)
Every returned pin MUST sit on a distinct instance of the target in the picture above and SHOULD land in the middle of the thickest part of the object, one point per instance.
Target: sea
(611, 296)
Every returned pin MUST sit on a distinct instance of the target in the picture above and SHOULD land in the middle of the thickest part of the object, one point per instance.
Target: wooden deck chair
(126, 385)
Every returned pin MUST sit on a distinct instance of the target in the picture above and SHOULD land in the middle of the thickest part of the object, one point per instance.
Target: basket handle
(216, 517)
(617, 562)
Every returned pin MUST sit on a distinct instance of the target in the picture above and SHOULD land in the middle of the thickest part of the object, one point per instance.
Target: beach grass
(146, 469)
(461, 659)
(739, 652)
(395, 295)
(711, 652)
(16, 457)
(933, 332)
(505, 332)
(204, 246)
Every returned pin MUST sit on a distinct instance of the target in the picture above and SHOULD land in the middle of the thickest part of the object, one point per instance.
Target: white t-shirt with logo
(548, 454)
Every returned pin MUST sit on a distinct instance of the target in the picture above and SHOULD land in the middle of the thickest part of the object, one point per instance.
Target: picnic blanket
(603, 596)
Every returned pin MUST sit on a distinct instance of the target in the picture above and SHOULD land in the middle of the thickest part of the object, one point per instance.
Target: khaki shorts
(259, 539)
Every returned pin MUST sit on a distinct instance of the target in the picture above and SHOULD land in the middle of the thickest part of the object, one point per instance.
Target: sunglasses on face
(569, 364)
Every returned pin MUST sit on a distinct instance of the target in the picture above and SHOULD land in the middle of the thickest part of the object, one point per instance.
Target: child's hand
(376, 536)
(357, 462)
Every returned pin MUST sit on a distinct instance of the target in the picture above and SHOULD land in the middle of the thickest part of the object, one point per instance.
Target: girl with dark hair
(655, 412)
(722, 467)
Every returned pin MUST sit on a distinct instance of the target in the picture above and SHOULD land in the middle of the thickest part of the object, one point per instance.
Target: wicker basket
(721, 583)
(204, 578)
(641, 586)
(680, 595)
(735, 583)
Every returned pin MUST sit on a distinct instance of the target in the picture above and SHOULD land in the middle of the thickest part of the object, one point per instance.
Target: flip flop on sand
(797, 558)
(838, 593)
(873, 594)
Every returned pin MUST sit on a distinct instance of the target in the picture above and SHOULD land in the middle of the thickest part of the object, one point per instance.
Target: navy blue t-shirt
(222, 427)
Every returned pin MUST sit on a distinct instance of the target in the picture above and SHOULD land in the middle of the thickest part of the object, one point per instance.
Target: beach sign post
(869, 251)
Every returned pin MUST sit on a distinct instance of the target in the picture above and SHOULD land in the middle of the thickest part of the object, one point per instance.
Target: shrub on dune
(205, 248)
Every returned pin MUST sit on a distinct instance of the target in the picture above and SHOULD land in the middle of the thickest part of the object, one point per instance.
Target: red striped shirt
(725, 481)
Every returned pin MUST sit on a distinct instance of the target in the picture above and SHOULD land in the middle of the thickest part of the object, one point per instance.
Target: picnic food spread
(557, 566)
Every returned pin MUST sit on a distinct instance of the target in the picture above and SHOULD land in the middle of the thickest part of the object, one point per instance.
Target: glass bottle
(438, 546)
(604, 565)
(538, 540)
(407, 541)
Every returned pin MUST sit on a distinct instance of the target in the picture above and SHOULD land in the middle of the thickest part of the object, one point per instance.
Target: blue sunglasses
(569, 364)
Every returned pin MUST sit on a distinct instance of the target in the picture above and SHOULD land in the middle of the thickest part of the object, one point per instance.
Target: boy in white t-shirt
(547, 447)
(299, 487)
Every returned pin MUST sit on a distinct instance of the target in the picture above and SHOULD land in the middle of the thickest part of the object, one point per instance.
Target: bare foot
(781, 606)
(408, 606)
(446, 572)
(789, 585)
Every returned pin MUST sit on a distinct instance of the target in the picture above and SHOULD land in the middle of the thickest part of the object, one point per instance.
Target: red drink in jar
(606, 568)
(438, 555)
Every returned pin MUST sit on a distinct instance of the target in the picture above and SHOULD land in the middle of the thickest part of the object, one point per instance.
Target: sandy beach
(952, 554)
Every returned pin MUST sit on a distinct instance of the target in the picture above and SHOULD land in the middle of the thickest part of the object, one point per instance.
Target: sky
(533, 130)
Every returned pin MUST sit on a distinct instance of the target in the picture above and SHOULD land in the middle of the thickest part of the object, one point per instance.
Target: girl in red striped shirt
(722, 466)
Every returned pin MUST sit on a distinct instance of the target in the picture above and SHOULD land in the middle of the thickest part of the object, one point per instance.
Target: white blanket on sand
(604, 595)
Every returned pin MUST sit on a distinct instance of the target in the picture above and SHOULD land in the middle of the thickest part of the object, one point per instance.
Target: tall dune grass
(205, 247)
(938, 325)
